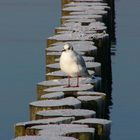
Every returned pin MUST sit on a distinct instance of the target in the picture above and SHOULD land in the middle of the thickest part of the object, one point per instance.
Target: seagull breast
(73, 64)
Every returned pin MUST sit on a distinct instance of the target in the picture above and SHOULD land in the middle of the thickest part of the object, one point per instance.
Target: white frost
(69, 101)
(67, 113)
(47, 137)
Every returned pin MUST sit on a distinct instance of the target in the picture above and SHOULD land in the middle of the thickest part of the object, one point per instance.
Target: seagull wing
(80, 61)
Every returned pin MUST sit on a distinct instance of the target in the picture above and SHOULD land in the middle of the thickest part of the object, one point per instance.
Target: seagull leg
(77, 81)
(67, 86)
(69, 81)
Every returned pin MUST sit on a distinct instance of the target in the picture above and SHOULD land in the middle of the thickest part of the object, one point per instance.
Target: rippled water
(24, 26)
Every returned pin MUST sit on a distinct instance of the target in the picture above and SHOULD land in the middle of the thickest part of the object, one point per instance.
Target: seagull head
(67, 47)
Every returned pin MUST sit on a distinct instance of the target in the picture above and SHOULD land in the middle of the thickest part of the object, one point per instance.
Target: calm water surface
(24, 25)
(125, 112)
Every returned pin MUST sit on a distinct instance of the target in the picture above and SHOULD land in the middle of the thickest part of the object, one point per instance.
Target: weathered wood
(96, 17)
(78, 27)
(51, 57)
(47, 137)
(93, 103)
(102, 127)
(44, 85)
(80, 33)
(78, 47)
(52, 96)
(79, 132)
(86, 25)
(75, 37)
(82, 21)
(76, 113)
(20, 128)
(84, 7)
(84, 3)
(74, 43)
(69, 102)
(92, 93)
(83, 49)
(64, 2)
(53, 129)
(70, 90)
(91, 10)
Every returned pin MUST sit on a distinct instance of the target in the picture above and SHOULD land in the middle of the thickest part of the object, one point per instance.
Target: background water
(125, 113)
(24, 26)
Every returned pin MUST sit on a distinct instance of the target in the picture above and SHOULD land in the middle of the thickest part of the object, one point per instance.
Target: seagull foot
(67, 86)
(75, 86)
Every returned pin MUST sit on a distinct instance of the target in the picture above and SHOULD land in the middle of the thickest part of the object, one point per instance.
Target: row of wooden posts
(75, 113)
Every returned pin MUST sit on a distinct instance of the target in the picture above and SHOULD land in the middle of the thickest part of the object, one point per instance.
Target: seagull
(72, 64)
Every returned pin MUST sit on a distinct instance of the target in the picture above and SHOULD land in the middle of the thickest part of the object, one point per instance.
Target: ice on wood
(77, 113)
(80, 20)
(81, 33)
(96, 17)
(81, 11)
(85, 8)
(84, 3)
(49, 83)
(90, 121)
(68, 102)
(20, 128)
(87, 43)
(78, 36)
(92, 24)
(60, 82)
(77, 47)
(57, 120)
(60, 127)
(66, 130)
(95, 26)
(91, 93)
(48, 137)
(102, 126)
(88, 1)
(90, 98)
(89, 12)
(54, 95)
(82, 87)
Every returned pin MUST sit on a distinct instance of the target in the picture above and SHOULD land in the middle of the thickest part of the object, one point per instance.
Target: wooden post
(20, 128)
(76, 106)
(102, 127)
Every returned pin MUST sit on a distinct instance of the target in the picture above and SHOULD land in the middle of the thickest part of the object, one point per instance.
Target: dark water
(24, 26)
(125, 113)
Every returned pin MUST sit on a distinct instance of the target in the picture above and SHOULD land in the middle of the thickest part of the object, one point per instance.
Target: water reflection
(105, 58)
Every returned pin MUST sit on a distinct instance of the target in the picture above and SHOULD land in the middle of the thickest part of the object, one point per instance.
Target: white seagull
(72, 64)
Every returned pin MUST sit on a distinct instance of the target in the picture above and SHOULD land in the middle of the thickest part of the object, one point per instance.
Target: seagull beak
(63, 50)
